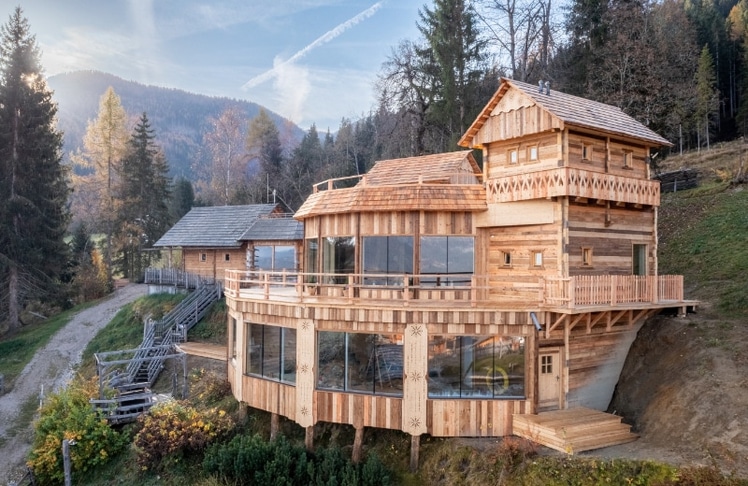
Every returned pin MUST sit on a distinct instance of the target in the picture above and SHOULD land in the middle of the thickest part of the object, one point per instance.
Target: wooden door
(549, 379)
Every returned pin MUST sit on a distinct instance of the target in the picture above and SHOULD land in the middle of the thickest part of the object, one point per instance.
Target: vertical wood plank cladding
(270, 396)
(305, 372)
(611, 244)
(520, 122)
(386, 224)
(473, 418)
(311, 227)
(359, 409)
(415, 369)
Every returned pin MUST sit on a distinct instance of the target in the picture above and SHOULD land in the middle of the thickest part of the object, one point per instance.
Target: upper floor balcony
(566, 295)
(574, 182)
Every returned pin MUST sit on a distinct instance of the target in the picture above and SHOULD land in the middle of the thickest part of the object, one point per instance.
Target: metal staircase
(127, 376)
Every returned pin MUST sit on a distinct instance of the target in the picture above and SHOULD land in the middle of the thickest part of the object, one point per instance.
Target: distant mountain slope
(179, 118)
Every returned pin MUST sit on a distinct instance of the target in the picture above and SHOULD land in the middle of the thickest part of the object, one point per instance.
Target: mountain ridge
(179, 118)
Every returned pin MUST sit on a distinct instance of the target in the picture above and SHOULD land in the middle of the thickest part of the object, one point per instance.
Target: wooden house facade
(210, 240)
(439, 298)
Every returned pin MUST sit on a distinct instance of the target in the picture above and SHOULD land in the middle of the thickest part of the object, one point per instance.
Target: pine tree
(143, 192)
(33, 183)
(264, 145)
(707, 100)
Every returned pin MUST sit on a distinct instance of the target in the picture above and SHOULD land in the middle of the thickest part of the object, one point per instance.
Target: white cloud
(323, 39)
(291, 88)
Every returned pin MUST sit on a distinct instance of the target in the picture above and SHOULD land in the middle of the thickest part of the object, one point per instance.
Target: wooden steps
(574, 430)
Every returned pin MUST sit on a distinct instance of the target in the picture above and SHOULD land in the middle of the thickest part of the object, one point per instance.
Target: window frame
(533, 153)
(512, 156)
(203, 257)
(628, 159)
(587, 256)
(534, 255)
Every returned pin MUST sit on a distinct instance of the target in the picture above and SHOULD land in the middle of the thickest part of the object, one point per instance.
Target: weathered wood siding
(515, 116)
(215, 263)
(473, 418)
(610, 233)
(519, 281)
(606, 155)
(595, 362)
(270, 396)
(359, 409)
(549, 153)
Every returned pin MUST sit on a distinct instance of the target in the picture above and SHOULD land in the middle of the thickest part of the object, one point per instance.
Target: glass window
(537, 258)
(331, 360)
(263, 258)
(476, 366)
(271, 352)
(338, 257)
(274, 258)
(513, 158)
(532, 153)
(387, 255)
(586, 256)
(310, 259)
(233, 338)
(360, 362)
(285, 258)
(447, 255)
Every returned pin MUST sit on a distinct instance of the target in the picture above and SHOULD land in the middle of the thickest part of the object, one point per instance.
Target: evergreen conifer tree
(33, 183)
(143, 194)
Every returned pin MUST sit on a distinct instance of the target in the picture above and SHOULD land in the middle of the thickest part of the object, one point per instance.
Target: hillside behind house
(685, 383)
(179, 118)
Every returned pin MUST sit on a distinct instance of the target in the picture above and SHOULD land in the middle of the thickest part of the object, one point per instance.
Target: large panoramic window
(275, 258)
(360, 362)
(311, 249)
(446, 255)
(271, 352)
(390, 255)
(338, 257)
(476, 366)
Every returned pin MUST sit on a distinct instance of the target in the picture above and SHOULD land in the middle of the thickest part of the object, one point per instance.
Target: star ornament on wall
(416, 331)
(306, 325)
(415, 423)
(304, 368)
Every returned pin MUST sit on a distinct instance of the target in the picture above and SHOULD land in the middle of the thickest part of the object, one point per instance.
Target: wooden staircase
(135, 371)
(573, 430)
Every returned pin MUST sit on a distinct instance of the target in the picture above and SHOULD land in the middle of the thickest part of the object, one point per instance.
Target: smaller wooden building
(209, 240)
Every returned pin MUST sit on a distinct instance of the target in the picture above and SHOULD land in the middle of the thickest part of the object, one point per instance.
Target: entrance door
(549, 379)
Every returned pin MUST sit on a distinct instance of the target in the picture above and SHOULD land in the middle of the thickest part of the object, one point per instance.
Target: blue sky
(312, 61)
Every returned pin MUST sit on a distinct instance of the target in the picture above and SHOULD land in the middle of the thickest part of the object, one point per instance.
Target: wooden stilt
(309, 438)
(274, 425)
(415, 449)
(358, 443)
(243, 412)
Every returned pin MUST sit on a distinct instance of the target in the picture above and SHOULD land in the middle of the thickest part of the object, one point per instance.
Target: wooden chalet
(213, 239)
(438, 298)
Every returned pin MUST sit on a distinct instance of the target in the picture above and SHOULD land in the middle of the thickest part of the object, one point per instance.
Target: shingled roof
(274, 229)
(426, 183)
(214, 226)
(571, 111)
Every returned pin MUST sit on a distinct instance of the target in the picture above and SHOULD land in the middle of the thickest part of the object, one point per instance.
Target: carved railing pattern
(568, 181)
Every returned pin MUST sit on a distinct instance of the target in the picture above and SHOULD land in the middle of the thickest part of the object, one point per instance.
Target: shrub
(247, 460)
(69, 415)
(175, 428)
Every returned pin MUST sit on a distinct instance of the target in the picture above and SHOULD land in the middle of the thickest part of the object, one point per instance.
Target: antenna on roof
(547, 88)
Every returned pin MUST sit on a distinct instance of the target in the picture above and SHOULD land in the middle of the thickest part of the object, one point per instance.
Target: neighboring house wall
(213, 262)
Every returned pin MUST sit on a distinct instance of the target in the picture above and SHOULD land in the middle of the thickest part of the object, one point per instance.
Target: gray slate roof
(214, 226)
(267, 229)
(572, 110)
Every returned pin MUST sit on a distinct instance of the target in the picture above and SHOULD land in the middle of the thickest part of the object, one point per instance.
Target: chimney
(547, 88)
(540, 86)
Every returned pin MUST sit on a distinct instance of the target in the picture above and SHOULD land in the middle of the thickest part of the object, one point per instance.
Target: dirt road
(51, 368)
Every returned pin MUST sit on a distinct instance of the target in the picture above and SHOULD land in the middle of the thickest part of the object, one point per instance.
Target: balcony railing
(569, 181)
(612, 290)
(456, 290)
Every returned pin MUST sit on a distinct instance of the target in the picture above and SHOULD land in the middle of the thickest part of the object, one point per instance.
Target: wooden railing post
(572, 283)
(613, 289)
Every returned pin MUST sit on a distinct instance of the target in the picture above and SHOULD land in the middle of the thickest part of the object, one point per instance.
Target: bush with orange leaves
(174, 429)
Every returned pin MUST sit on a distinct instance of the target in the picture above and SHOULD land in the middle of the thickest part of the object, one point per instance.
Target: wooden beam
(612, 321)
(415, 450)
(594, 321)
(576, 320)
(358, 443)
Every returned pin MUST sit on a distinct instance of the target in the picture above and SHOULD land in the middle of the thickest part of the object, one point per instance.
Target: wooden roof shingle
(214, 226)
(424, 183)
(571, 110)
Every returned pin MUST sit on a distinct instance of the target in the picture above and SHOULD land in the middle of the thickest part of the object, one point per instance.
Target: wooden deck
(213, 351)
(574, 430)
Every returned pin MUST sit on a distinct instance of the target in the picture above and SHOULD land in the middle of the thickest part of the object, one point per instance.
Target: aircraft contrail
(326, 37)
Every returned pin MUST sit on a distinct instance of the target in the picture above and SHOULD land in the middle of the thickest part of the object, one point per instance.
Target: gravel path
(51, 368)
